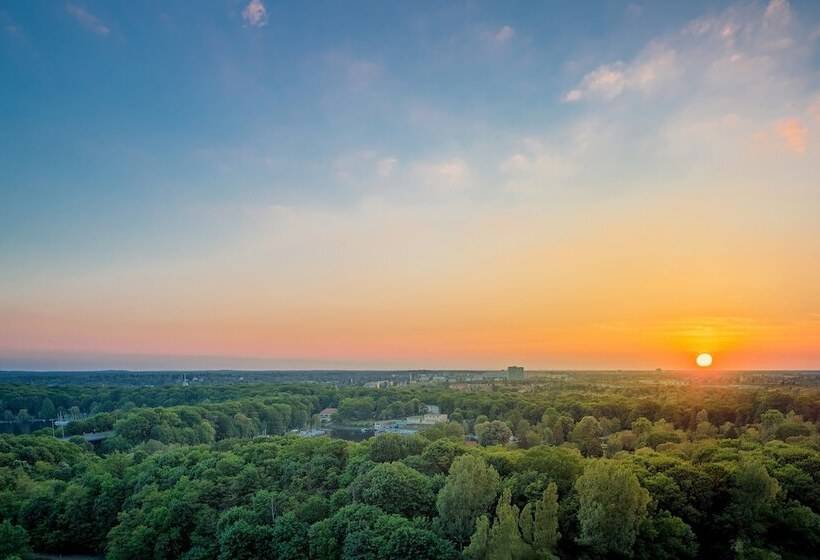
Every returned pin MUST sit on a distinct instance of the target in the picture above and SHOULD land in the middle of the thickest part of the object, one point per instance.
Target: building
(426, 419)
(431, 408)
(381, 384)
(515, 373)
(326, 415)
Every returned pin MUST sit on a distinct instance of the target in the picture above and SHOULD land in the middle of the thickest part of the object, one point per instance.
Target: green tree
(47, 409)
(386, 448)
(505, 542)
(539, 523)
(753, 496)
(470, 489)
(561, 429)
(395, 488)
(587, 436)
(480, 541)
(419, 544)
(243, 541)
(769, 422)
(357, 408)
(611, 506)
(13, 540)
(439, 455)
(665, 537)
(493, 433)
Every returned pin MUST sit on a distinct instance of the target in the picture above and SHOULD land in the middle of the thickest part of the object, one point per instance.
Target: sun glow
(704, 360)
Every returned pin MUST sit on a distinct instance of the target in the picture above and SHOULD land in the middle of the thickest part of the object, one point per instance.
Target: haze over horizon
(262, 185)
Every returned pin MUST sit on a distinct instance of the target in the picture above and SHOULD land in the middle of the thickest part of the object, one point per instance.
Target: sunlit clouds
(255, 14)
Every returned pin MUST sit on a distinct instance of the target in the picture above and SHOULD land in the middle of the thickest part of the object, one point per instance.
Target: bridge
(92, 436)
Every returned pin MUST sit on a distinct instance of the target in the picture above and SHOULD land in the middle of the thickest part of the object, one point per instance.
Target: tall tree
(505, 541)
(480, 540)
(611, 506)
(470, 489)
(539, 523)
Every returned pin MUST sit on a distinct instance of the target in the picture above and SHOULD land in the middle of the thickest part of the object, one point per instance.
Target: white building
(326, 415)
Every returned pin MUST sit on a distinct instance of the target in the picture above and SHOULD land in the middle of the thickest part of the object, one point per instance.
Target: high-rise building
(515, 373)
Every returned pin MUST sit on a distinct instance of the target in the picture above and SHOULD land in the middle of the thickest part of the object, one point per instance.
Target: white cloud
(87, 19)
(607, 81)
(573, 95)
(655, 67)
(742, 44)
(255, 14)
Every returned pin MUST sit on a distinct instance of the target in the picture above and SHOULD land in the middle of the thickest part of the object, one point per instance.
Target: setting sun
(704, 360)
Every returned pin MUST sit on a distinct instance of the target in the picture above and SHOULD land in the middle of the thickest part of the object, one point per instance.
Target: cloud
(449, 175)
(255, 14)
(497, 37)
(743, 44)
(793, 134)
(504, 34)
(655, 67)
(607, 81)
(537, 167)
(87, 19)
(778, 12)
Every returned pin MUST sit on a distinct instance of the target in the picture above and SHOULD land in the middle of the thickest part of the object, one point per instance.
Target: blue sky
(140, 137)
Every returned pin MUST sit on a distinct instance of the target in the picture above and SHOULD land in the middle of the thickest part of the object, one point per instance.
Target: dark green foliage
(395, 488)
(612, 506)
(493, 433)
(13, 540)
(469, 492)
(208, 474)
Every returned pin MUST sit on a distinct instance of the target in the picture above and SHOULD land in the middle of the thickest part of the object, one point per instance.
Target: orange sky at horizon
(629, 208)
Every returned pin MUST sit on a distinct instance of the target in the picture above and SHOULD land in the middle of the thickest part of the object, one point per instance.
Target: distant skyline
(394, 185)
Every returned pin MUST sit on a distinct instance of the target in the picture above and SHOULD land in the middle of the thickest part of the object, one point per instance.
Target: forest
(584, 469)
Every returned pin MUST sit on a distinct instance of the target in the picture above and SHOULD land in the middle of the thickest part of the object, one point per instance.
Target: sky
(259, 184)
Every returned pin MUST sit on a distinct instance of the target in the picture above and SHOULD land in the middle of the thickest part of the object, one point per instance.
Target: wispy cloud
(255, 14)
(87, 19)
(744, 43)
(497, 37)
(649, 71)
